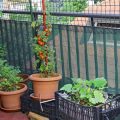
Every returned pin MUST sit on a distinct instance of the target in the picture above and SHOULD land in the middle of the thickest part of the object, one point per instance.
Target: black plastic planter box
(46, 109)
(68, 110)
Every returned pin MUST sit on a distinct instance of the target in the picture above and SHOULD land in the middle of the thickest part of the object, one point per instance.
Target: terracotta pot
(11, 100)
(24, 77)
(44, 88)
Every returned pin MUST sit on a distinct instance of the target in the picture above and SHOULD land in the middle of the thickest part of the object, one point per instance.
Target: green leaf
(82, 93)
(33, 24)
(99, 83)
(67, 88)
(98, 98)
(77, 80)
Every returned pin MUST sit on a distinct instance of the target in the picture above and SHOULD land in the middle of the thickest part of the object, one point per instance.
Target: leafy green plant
(8, 77)
(87, 92)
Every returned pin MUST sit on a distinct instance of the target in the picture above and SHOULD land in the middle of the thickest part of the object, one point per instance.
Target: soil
(49, 75)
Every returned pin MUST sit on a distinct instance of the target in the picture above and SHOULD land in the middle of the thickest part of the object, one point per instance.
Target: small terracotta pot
(11, 100)
(44, 88)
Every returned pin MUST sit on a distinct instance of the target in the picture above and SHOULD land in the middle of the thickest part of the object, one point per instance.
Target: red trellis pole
(44, 14)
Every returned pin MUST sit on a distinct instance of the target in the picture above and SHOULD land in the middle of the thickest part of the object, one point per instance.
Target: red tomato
(41, 43)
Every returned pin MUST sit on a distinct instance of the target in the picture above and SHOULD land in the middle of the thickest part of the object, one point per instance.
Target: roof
(105, 7)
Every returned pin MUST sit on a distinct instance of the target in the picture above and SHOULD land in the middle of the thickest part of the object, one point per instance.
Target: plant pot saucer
(10, 110)
(42, 101)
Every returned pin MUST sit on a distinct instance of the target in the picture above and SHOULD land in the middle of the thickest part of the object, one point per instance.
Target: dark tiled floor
(12, 116)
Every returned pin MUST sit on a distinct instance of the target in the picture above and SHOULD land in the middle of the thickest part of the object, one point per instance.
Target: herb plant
(8, 77)
(86, 92)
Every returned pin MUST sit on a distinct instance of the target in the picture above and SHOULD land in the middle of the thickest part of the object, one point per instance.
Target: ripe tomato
(41, 43)
(46, 30)
(41, 55)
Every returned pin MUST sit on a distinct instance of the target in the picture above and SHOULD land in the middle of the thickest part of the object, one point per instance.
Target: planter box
(46, 109)
(68, 110)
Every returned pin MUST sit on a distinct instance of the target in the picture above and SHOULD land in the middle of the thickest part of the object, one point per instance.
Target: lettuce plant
(86, 92)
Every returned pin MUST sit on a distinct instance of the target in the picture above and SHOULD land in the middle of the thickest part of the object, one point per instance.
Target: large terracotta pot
(11, 100)
(44, 88)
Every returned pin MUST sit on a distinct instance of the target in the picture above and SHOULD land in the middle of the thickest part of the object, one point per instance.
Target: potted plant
(84, 92)
(45, 83)
(3, 56)
(10, 87)
(85, 100)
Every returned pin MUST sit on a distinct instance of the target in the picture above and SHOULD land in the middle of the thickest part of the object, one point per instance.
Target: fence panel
(16, 36)
(97, 50)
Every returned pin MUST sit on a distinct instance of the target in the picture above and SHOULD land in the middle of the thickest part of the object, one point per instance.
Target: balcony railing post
(92, 22)
(31, 10)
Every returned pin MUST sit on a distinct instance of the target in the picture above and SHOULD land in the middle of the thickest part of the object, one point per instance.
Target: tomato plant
(44, 52)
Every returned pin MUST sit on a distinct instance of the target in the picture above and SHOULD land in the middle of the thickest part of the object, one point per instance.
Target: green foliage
(87, 92)
(2, 52)
(21, 17)
(45, 53)
(8, 77)
(67, 88)
(68, 6)
(74, 6)
(41, 47)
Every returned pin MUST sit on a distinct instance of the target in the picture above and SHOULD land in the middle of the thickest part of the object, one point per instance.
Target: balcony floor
(12, 116)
